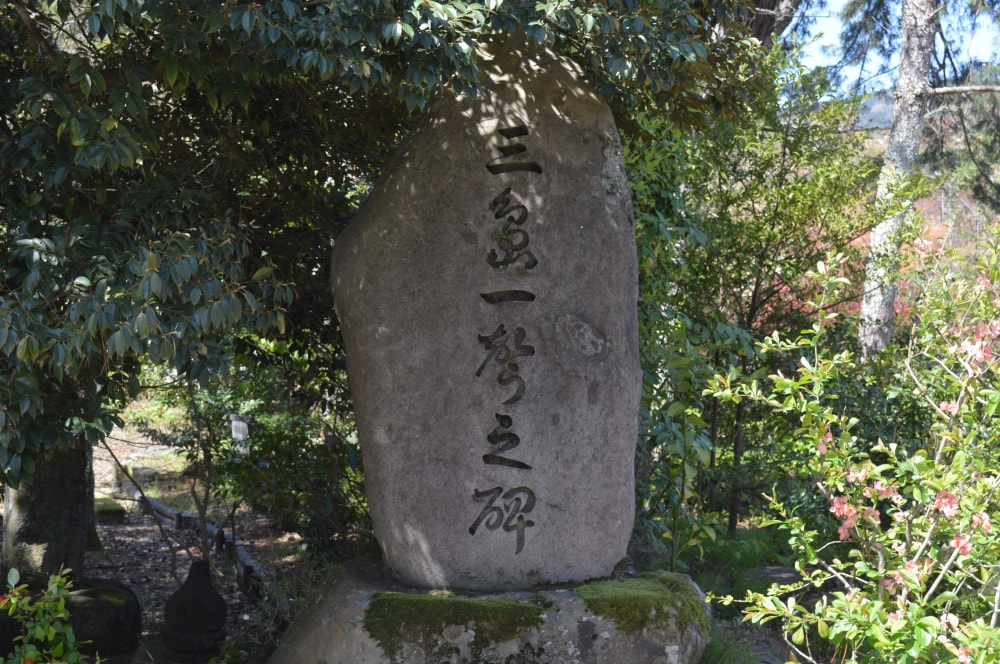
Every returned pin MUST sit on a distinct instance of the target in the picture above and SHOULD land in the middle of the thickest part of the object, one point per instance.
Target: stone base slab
(366, 618)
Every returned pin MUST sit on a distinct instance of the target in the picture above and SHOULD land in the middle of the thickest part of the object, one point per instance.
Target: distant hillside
(876, 111)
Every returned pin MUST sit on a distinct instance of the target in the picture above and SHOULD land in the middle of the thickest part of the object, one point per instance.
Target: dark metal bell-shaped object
(195, 618)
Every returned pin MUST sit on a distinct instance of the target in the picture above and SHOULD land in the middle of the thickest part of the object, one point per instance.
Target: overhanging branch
(963, 90)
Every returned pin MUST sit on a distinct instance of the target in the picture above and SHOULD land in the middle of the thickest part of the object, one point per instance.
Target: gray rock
(365, 618)
(487, 296)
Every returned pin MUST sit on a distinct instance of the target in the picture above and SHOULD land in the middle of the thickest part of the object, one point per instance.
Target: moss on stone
(108, 510)
(110, 595)
(394, 617)
(652, 598)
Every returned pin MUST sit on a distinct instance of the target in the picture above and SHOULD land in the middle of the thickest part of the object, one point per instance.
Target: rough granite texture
(556, 627)
(487, 296)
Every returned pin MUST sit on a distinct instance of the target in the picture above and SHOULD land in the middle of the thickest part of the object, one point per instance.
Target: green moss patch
(653, 598)
(392, 617)
(107, 510)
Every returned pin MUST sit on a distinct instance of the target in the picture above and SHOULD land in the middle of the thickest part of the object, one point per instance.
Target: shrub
(46, 634)
(911, 574)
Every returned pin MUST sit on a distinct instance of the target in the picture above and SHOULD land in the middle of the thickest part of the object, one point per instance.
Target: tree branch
(28, 19)
(962, 90)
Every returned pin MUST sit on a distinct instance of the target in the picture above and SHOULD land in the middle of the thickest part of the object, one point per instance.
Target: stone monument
(487, 297)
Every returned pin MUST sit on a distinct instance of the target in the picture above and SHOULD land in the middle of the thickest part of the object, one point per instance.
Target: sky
(983, 44)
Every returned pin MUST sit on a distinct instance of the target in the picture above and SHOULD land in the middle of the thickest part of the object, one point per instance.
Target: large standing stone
(487, 295)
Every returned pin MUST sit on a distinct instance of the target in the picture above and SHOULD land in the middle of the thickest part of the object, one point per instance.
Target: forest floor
(152, 558)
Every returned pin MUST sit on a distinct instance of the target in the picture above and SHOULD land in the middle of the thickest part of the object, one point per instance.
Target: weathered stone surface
(107, 616)
(107, 509)
(487, 296)
(367, 619)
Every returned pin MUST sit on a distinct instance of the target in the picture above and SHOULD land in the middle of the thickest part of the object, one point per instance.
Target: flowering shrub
(46, 634)
(912, 573)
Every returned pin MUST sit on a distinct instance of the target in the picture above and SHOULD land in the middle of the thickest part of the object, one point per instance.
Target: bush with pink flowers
(912, 572)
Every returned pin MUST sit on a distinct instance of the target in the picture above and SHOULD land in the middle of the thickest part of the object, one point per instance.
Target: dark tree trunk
(46, 522)
(768, 19)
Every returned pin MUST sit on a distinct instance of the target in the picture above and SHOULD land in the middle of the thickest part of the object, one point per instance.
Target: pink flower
(989, 331)
(857, 475)
(964, 656)
(982, 520)
(881, 490)
(842, 508)
(984, 282)
(946, 503)
(894, 616)
(911, 568)
(949, 407)
(976, 351)
(922, 246)
(822, 446)
(962, 544)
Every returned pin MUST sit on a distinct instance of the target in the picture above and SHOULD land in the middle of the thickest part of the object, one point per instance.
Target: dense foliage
(728, 222)
(173, 173)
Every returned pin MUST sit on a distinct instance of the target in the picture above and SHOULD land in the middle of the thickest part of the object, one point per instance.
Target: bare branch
(962, 90)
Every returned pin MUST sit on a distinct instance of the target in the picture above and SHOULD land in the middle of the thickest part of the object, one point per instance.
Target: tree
(168, 169)
(867, 26)
(729, 222)
(879, 291)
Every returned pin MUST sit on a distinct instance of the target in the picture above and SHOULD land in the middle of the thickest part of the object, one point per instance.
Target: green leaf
(170, 71)
(13, 577)
(141, 324)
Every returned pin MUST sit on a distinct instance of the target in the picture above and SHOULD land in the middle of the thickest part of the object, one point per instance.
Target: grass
(730, 645)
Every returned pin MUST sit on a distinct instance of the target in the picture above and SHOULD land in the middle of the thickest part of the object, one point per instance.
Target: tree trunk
(911, 96)
(736, 478)
(768, 19)
(46, 522)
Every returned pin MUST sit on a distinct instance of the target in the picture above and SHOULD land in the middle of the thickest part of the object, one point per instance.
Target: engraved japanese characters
(487, 296)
